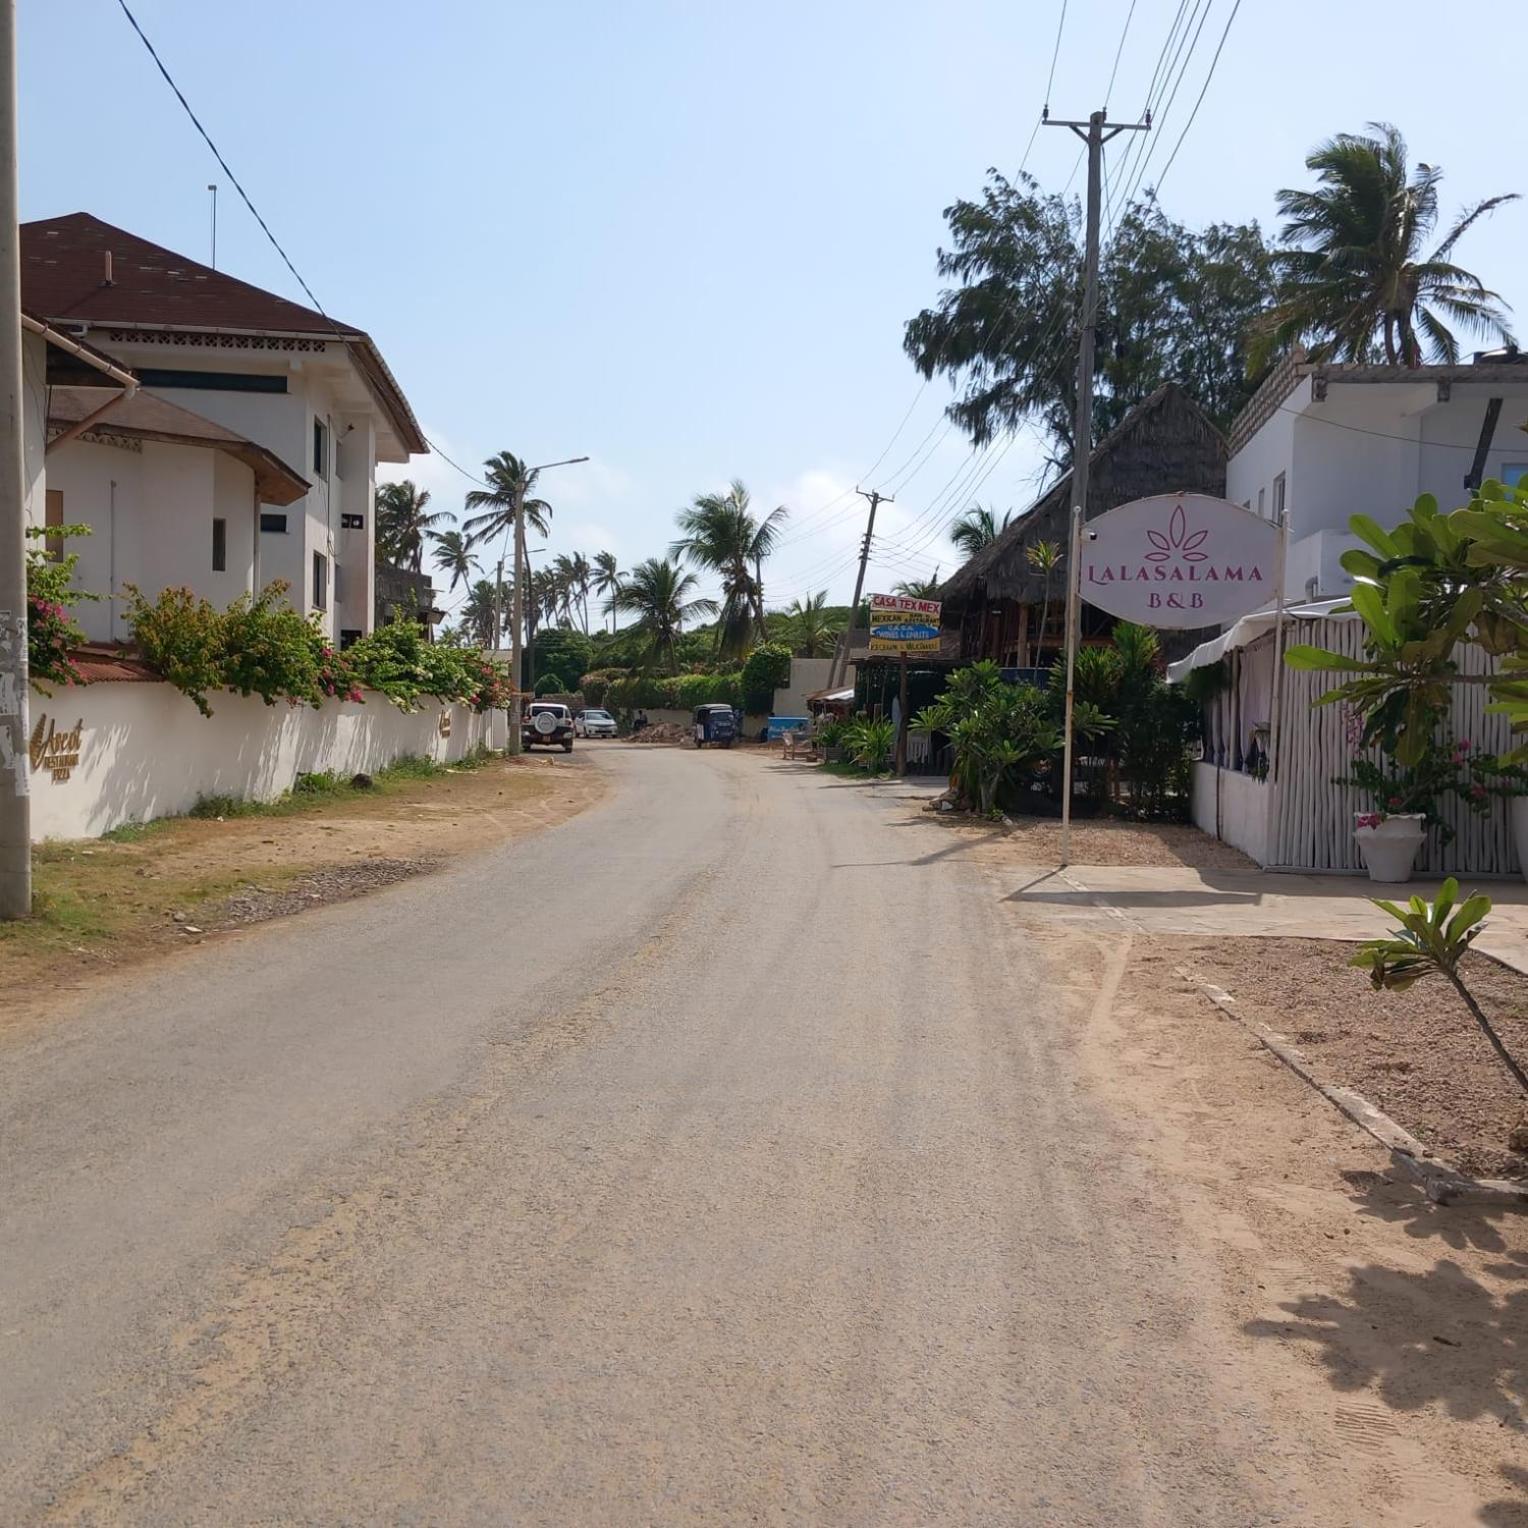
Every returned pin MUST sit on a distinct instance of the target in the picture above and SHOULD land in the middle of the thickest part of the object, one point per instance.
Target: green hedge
(681, 692)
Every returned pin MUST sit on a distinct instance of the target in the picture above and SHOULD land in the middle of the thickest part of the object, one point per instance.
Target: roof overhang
(1252, 628)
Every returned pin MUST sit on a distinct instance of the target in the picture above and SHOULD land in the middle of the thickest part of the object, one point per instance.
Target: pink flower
(1478, 792)
(1394, 803)
(1368, 819)
(1463, 745)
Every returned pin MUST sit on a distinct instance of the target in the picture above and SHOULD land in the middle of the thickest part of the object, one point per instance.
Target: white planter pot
(1390, 846)
(1518, 810)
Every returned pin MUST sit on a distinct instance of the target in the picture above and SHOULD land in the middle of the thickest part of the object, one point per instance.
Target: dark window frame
(320, 581)
(272, 523)
(219, 544)
(320, 448)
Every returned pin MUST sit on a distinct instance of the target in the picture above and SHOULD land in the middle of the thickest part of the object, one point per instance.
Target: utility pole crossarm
(841, 660)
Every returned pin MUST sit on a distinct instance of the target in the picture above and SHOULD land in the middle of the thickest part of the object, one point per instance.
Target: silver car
(594, 722)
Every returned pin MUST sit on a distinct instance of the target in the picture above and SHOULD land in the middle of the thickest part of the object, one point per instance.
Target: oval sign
(905, 631)
(1180, 560)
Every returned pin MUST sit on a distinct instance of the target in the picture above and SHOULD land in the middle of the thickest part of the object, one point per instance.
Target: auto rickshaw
(715, 724)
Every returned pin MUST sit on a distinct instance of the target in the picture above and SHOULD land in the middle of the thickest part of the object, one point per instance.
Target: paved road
(719, 1156)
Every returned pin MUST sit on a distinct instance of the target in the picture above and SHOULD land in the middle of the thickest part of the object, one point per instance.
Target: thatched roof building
(1166, 444)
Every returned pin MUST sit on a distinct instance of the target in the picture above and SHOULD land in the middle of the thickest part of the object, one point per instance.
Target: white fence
(129, 752)
(1304, 821)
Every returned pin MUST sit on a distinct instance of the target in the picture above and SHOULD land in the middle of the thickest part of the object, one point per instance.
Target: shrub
(768, 669)
(269, 650)
(595, 685)
(691, 690)
(869, 742)
(51, 628)
(181, 638)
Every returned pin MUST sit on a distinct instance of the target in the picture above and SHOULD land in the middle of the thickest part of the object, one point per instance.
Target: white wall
(147, 752)
(1270, 452)
(808, 675)
(1233, 807)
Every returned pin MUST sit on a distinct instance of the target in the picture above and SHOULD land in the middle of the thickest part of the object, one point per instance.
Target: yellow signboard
(900, 624)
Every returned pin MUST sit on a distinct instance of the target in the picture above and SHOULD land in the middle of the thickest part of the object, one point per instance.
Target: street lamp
(522, 567)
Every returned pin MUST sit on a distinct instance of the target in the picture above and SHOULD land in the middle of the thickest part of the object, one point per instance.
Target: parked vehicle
(715, 724)
(548, 722)
(594, 722)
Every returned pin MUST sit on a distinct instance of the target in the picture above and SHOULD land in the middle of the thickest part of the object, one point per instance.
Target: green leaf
(1370, 530)
(1319, 659)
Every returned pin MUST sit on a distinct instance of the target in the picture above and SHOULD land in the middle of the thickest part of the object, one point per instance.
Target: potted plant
(1407, 805)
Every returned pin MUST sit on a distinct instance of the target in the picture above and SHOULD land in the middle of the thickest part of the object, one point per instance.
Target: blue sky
(683, 237)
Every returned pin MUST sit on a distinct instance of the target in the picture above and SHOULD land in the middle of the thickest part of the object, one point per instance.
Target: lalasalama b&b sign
(1180, 560)
(899, 624)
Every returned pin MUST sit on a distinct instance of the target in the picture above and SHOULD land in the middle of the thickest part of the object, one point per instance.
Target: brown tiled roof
(145, 416)
(63, 279)
(111, 663)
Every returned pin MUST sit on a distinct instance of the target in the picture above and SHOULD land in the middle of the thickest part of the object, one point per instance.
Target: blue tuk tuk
(715, 724)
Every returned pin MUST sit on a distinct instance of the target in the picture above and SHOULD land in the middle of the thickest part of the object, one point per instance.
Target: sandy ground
(192, 879)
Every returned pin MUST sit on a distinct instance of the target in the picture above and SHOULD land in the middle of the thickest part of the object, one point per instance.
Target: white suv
(548, 722)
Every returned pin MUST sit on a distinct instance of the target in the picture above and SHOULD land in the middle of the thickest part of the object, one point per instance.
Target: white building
(249, 410)
(1325, 442)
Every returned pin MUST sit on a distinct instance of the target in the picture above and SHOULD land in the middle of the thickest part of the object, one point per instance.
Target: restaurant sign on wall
(1180, 560)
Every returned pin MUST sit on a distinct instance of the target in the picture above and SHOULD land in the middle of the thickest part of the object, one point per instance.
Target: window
(274, 525)
(1262, 494)
(320, 581)
(1278, 496)
(349, 636)
(352, 522)
(207, 381)
(219, 546)
(1514, 473)
(320, 448)
(53, 519)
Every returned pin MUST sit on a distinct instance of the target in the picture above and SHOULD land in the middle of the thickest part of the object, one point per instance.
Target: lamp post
(517, 620)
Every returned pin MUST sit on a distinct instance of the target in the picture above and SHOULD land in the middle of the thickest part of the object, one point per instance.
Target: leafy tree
(662, 598)
(721, 534)
(809, 626)
(976, 530)
(403, 521)
(453, 555)
(768, 669)
(1175, 304)
(1358, 278)
(565, 655)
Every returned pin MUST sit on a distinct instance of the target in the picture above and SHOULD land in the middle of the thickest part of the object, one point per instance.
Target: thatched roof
(1165, 444)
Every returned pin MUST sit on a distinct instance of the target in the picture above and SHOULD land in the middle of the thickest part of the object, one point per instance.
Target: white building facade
(1325, 442)
(312, 398)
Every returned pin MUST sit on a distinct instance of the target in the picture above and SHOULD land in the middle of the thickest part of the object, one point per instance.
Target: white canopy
(1249, 629)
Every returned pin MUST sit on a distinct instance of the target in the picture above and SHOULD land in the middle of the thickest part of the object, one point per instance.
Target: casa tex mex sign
(899, 624)
(54, 751)
(1180, 560)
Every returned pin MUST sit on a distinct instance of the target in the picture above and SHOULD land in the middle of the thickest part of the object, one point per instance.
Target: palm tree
(453, 555)
(573, 575)
(810, 628)
(722, 536)
(1358, 279)
(659, 594)
(479, 611)
(919, 588)
(606, 579)
(976, 530)
(1044, 557)
(403, 523)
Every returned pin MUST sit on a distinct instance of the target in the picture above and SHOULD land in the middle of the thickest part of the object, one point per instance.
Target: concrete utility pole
(522, 570)
(15, 803)
(1095, 132)
(841, 658)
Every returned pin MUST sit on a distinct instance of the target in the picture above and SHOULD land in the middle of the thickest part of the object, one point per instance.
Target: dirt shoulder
(107, 904)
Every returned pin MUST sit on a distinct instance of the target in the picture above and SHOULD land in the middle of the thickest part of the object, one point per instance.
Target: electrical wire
(1200, 101)
(1118, 53)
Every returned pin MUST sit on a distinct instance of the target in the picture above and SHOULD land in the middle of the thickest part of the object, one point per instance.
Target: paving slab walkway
(1178, 899)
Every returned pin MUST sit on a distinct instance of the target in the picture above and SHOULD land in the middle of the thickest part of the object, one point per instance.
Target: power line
(1200, 101)
(1118, 52)
(1050, 79)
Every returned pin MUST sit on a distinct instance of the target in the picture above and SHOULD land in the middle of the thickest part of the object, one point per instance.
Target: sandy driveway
(728, 1153)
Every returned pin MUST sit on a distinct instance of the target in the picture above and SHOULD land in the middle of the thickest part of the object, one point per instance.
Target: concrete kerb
(1440, 1181)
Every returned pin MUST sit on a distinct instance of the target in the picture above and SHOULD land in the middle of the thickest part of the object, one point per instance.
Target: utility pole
(1095, 132)
(15, 803)
(841, 658)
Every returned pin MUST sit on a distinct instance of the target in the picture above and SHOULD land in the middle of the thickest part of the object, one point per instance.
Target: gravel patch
(334, 883)
(1416, 1055)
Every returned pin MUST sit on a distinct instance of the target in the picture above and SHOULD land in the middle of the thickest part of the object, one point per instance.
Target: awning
(832, 697)
(1249, 629)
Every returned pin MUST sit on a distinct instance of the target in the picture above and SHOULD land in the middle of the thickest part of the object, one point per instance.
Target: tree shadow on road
(1510, 1512)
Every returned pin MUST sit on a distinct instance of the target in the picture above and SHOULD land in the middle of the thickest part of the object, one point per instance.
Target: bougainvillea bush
(51, 628)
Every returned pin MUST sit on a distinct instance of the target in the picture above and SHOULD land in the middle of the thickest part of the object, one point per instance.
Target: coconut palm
(1044, 557)
(919, 588)
(606, 579)
(479, 611)
(403, 522)
(809, 627)
(506, 475)
(1358, 279)
(660, 595)
(722, 535)
(453, 555)
(976, 530)
(573, 576)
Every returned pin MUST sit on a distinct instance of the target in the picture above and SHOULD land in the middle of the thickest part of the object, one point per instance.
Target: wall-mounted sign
(899, 624)
(54, 751)
(1179, 559)
(443, 724)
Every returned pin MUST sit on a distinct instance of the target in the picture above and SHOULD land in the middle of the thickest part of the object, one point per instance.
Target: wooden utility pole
(841, 659)
(902, 720)
(1095, 132)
